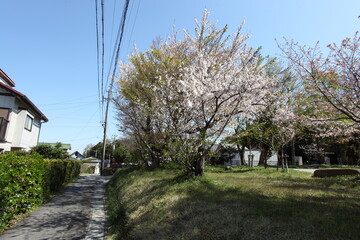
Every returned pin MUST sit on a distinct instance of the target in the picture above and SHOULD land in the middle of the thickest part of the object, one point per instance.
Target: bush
(21, 185)
(58, 173)
(334, 172)
(109, 171)
(49, 151)
(27, 181)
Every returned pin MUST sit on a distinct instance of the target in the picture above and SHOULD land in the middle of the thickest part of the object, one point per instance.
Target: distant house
(77, 155)
(254, 154)
(229, 156)
(20, 119)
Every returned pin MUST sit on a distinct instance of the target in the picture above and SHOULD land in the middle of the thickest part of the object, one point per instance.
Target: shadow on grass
(223, 169)
(232, 171)
(211, 211)
(342, 184)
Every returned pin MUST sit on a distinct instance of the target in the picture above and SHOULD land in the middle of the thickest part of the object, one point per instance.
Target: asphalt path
(76, 213)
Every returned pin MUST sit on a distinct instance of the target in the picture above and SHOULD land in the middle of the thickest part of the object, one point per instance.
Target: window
(4, 114)
(28, 122)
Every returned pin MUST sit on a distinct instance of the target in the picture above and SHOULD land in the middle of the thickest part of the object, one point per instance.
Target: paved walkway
(76, 213)
(310, 170)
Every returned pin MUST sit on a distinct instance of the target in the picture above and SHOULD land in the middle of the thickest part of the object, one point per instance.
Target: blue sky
(48, 48)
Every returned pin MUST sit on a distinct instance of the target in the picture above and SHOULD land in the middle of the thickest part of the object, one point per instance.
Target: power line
(111, 57)
(70, 106)
(132, 29)
(121, 31)
(100, 95)
(70, 101)
(122, 25)
(103, 47)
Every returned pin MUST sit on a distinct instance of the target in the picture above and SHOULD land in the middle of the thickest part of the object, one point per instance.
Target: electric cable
(103, 46)
(121, 30)
(132, 29)
(100, 94)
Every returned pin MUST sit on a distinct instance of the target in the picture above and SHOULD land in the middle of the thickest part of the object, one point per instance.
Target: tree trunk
(144, 159)
(202, 153)
(293, 152)
(241, 151)
(199, 165)
(263, 155)
(358, 160)
(282, 158)
(265, 163)
(155, 158)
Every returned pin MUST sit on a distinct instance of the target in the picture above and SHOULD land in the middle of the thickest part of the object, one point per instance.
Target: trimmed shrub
(333, 172)
(21, 185)
(49, 151)
(58, 173)
(27, 181)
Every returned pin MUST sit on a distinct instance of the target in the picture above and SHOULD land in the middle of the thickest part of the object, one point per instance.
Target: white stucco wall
(23, 138)
(236, 159)
(8, 102)
(16, 135)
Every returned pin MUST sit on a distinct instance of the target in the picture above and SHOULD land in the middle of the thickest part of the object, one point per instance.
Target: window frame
(29, 120)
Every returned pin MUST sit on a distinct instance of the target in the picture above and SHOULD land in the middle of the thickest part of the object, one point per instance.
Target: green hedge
(58, 173)
(27, 181)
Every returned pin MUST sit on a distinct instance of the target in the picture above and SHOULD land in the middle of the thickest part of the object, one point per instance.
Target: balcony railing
(3, 125)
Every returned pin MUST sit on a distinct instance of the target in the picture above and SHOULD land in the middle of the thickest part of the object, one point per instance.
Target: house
(253, 154)
(76, 155)
(91, 165)
(229, 156)
(20, 119)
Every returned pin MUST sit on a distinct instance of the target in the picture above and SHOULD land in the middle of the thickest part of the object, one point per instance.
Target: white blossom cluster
(194, 88)
(217, 80)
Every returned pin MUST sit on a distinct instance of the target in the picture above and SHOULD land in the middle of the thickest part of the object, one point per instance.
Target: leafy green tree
(121, 154)
(97, 149)
(121, 150)
(49, 151)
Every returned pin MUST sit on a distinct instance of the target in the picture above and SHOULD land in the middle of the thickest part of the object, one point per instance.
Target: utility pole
(114, 147)
(106, 124)
(120, 36)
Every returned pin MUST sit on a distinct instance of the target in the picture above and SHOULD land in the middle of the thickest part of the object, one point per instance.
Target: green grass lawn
(243, 203)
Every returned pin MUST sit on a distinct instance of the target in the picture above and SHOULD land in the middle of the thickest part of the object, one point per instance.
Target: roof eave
(25, 99)
(7, 78)
(37, 110)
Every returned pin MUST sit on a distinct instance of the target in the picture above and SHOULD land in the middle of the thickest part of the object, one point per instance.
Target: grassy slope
(242, 204)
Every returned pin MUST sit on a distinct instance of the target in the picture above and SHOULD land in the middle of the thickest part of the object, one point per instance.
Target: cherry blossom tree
(201, 85)
(136, 103)
(334, 77)
(329, 105)
(272, 128)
